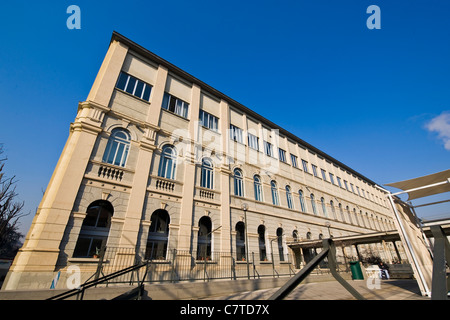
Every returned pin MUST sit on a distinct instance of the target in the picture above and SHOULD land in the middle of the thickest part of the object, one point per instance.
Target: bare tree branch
(10, 211)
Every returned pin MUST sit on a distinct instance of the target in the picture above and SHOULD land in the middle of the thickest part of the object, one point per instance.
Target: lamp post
(328, 224)
(271, 253)
(205, 251)
(245, 208)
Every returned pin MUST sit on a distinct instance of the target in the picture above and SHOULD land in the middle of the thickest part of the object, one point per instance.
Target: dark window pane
(122, 81)
(147, 91)
(82, 247)
(139, 89)
(172, 104)
(165, 103)
(130, 86)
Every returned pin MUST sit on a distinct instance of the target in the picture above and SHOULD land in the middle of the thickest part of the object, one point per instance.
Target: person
(384, 270)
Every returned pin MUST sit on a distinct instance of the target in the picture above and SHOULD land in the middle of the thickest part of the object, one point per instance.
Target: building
(157, 160)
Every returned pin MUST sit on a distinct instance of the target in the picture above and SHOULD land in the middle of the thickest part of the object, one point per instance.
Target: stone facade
(137, 188)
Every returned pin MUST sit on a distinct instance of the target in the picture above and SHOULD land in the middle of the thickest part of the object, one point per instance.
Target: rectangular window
(294, 161)
(236, 134)
(137, 88)
(175, 105)
(282, 154)
(268, 148)
(324, 174)
(305, 165)
(314, 170)
(339, 182)
(357, 189)
(332, 178)
(351, 186)
(253, 141)
(346, 185)
(208, 120)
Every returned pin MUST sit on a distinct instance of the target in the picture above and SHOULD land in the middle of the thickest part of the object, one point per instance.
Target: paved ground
(332, 290)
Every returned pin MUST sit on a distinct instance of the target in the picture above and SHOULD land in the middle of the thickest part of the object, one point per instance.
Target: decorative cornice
(85, 127)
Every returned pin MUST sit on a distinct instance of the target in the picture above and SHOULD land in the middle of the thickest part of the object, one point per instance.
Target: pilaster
(187, 205)
(108, 74)
(136, 201)
(41, 248)
(224, 180)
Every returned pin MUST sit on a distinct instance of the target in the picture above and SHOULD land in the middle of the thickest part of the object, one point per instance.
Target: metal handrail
(95, 282)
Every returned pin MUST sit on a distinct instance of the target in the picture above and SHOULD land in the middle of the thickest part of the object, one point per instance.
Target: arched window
(347, 208)
(158, 235)
(258, 188)
(280, 243)
(369, 224)
(356, 216)
(341, 212)
(167, 163)
(240, 241)
(118, 146)
(273, 187)
(289, 197)
(238, 183)
(308, 253)
(302, 201)
(295, 235)
(333, 210)
(207, 174)
(94, 230)
(324, 208)
(262, 243)
(204, 239)
(362, 218)
(313, 204)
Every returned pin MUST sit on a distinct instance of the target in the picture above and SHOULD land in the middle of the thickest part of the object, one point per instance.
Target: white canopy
(424, 186)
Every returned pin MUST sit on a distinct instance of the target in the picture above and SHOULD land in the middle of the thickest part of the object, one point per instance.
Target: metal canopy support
(441, 253)
(418, 188)
(414, 259)
(329, 251)
(423, 187)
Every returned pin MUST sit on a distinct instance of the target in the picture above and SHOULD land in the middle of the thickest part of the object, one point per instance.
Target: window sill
(238, 142)
(207, 261)
(209, 129)
(84, 260)
(131, 95)
(174, 114)
(158, 261)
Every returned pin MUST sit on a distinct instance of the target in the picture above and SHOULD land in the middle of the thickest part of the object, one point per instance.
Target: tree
(10, 213)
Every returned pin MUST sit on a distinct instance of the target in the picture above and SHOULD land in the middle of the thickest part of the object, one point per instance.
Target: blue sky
(365, 97)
